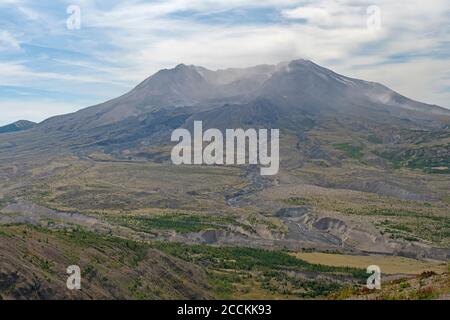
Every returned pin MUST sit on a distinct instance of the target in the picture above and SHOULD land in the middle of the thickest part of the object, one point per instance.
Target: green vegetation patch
(78, 238)
(408, 224)
(179, 222)
(431, 159)
(237, 271)
(351, 151)
(394, 212)
(242, 258)
(275, 282)
(296, 201)
(374, 139)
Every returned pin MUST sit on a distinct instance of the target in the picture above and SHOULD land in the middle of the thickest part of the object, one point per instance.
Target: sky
(60, 56)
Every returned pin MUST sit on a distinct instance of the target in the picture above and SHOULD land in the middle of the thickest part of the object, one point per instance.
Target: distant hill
(18, 126)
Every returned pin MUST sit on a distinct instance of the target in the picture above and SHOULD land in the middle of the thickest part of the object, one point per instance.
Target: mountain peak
(302, 62)
(183, 66)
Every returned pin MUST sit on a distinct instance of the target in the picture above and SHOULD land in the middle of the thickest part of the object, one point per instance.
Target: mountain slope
(299, 86)
(18, 126)
(303, 85)
(182, 86)
(293, 96)
(111, 267)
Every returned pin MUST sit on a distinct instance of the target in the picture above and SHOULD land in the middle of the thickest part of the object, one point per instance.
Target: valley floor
(144, 230)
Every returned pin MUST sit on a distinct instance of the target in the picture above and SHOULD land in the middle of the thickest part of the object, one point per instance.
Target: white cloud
(8, 42)
(15, 73)
(426, 77)
(314, 15)
(36, 111)
(133, 39)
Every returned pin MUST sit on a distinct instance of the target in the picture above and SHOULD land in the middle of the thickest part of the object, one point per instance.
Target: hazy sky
(48, 68)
